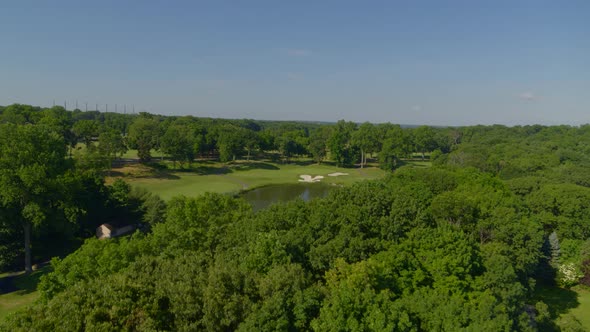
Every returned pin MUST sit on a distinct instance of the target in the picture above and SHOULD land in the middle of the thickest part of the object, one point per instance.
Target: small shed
(107, 231)
(104, 231)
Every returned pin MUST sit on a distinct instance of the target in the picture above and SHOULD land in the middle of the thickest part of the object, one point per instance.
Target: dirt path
(223, 171)
(361, 172)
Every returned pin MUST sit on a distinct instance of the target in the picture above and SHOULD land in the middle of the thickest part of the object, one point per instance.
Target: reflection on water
(263, 197)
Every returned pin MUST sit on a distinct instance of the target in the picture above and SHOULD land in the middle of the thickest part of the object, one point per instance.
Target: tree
(144, 135)
(424, 139)
(229, 142)
(179, 142)
(365, 137)
(318, 141)
(86, 130)
(396, 145)
(251, 141)
(290, 143)
(111, 144)
(341, 148)
(32, 165)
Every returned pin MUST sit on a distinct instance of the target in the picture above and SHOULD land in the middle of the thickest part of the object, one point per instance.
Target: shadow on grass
(165, 175)
(209, 170)
(559, 301)
(247, 166)
(22, 283)
(303, 162)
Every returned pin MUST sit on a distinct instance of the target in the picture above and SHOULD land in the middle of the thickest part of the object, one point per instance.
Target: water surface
(261, 198)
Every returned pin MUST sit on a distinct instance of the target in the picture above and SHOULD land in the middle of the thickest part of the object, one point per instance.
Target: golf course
(234, 177)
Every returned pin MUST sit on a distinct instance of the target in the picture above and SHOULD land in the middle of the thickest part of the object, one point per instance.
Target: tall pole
(86, 106)
(65, 105)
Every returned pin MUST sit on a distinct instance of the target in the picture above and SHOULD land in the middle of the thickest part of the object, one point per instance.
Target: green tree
(111, 144)
(179, 142)
(86, 130)
(424, 139)
(340, 143)
(144, 135)
(230, 142)
(32, 165)
(318, 142)
(365, 137)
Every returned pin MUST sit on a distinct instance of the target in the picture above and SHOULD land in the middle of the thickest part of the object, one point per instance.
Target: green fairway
(220, 178)
(25, 290)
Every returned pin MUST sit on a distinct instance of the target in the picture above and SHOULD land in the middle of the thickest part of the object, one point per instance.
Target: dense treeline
(185, 138)
(381, 255)
(458, 246)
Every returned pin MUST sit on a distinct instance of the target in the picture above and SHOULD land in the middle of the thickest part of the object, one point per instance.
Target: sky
(409, 62)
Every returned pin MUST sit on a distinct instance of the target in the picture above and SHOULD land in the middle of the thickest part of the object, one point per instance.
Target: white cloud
(298, 52)
(528, 96)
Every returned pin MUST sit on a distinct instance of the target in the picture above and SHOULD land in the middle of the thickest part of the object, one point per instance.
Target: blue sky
(411, 62)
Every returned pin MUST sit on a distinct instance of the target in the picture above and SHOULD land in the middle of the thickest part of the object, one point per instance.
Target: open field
(18, 290)
(574, 301)
(234, 177)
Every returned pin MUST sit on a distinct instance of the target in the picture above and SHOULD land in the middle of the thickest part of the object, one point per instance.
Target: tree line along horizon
(458, 246)
(184, 138)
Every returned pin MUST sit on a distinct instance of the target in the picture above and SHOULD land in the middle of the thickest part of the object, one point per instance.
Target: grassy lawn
(224, 178)
(582, 311)
(561, 302)
(25, 293)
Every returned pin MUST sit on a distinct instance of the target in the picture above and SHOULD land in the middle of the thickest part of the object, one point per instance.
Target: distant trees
(318, 142)
(424, 139)
(144, 134)
(180, 142)
(342, 149)
(367, 140)
(86, 130)
(185, 138)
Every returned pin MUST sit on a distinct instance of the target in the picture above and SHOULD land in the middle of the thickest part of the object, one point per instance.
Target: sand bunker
(308, 178)
(337, 174)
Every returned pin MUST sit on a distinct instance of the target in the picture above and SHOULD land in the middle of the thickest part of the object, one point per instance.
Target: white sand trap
(337, 174)
(308, 178)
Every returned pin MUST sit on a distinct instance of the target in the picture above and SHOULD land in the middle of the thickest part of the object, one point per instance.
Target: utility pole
(86, 106)
(65, 105)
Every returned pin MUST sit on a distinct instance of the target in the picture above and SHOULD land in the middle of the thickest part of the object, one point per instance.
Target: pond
(263, 197)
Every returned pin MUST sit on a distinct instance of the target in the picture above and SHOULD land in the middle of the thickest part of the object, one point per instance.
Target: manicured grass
(582, 311)
(418, 163)
(25, 294)
(574, 301)
(222, 178)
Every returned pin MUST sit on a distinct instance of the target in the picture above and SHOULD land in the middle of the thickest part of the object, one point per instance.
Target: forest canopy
(461, 245)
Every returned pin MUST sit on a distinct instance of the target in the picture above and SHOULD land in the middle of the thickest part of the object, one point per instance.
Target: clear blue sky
(411, 62)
